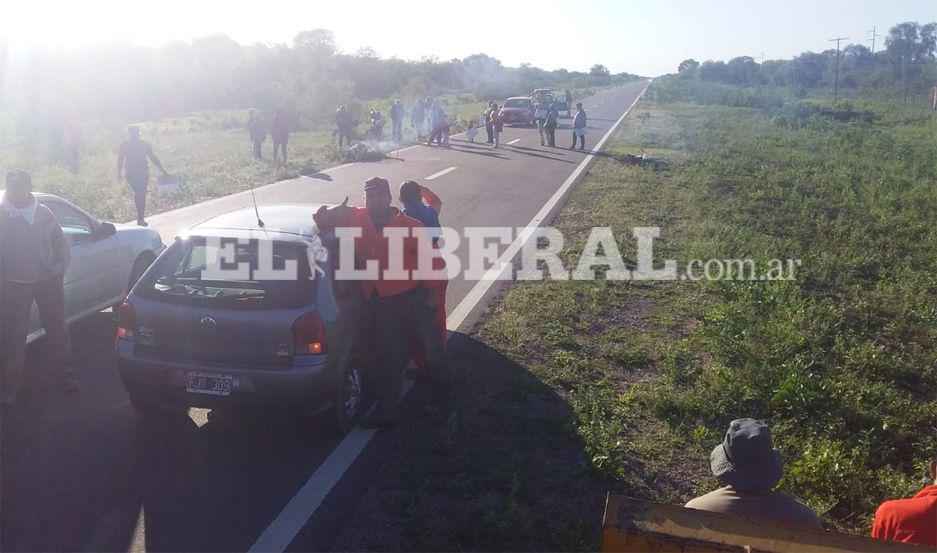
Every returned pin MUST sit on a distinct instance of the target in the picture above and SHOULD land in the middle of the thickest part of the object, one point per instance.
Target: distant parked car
(107, 260)
(189, 335)
(518, 110)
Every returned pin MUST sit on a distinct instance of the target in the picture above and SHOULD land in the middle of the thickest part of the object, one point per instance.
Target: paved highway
(84, 472)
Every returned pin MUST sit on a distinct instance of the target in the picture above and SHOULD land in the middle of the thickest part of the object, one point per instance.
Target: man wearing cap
(579, 127)
(34, 255)
(400, 311)
(749, 467)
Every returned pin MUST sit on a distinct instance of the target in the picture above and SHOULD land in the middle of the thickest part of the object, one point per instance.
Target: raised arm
(431, 199)
(331, 217)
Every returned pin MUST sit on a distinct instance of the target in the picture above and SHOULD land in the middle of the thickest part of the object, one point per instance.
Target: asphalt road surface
(84, 472)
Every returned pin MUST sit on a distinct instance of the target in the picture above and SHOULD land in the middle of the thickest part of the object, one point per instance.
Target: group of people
(279, 133)
(749, 467)
(394, 318)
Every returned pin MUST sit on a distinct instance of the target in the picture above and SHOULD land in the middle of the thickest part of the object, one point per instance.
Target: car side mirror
(104, 230)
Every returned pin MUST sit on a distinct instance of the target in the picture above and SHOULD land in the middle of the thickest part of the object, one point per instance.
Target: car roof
(287, 223)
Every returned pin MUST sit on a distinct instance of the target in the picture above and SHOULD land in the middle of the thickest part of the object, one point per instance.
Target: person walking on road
(497, 125)
(133, 160)
(540, 116)
(280, 133)
(550, 123)
(399, 312)
(416, 118)
(396, 118)
(34, 255)
(343, 125)
(257, 132)
(489, 127)
(579, 127)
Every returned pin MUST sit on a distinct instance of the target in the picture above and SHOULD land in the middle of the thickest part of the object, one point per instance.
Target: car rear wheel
(348, 401)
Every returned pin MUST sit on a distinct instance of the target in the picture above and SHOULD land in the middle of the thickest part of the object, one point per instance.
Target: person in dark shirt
(133, 161)
(257, 131)
(279, 133)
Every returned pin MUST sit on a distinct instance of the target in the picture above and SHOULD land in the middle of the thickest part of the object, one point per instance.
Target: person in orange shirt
(399, 311)
(911, 520)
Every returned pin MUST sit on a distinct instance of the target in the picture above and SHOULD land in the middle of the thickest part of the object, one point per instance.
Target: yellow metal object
(633, 525)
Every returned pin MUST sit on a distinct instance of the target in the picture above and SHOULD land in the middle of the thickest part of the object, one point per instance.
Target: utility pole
(872, 40)
(762, 57)
(837, 40)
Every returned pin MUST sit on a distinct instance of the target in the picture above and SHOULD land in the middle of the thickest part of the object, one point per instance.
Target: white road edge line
(515, 141)
(441, 173)
(281, 532)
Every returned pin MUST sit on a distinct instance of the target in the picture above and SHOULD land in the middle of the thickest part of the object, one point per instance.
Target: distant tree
(319, 42)
(599, 70)
(714, 71)
(910, 46)
(743, 70)
(687, 66)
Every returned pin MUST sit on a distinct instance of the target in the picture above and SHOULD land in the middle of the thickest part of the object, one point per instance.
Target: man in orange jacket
(399, 311)
(910, 520)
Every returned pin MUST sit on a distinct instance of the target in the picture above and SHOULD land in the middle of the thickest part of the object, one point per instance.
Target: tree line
(905, 69)
(309, 76)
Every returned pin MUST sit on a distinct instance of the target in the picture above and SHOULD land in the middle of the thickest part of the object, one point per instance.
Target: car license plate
(214, 384)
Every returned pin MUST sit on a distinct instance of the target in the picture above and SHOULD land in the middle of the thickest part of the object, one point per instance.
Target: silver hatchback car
(191, 334)
(107, 259)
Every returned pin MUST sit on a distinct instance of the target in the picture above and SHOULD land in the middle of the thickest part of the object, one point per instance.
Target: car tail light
(126, 321)
(309, 335)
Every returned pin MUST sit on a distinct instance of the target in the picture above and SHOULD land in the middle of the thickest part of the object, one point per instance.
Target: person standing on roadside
(550, 123)
(416, 118)
(399, 311)
(489, 127)
(34, 255)
(343, 125)
(280, 133)
(579, 127)
(133, 160)
(396, 118)
(257, 131)
(497, 124)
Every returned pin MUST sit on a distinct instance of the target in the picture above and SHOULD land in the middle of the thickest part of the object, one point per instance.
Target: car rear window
(516, 103)
(231, 274)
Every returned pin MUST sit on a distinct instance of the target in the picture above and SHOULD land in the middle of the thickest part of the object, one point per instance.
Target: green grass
(642, 378)
(840, 362)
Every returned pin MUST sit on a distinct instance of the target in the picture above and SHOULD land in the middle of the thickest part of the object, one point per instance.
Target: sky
(645, 37)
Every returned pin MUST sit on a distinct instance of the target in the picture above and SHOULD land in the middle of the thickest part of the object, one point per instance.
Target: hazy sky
(647, 37)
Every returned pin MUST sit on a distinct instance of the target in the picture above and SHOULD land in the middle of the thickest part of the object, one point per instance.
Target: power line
(837, 40)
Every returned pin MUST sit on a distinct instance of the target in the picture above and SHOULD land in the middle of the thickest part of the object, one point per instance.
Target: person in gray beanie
(749, 466)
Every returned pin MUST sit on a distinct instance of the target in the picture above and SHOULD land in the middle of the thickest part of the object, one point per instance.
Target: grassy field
(572, 389)
(208, 151)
